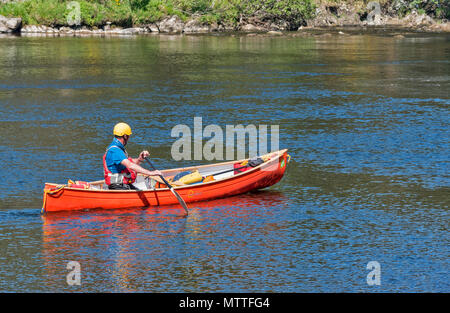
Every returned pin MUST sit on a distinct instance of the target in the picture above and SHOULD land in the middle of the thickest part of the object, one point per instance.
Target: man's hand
(156, 173)
(143, 155)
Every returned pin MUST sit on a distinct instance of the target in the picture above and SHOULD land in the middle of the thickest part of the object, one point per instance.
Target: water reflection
(120, 247)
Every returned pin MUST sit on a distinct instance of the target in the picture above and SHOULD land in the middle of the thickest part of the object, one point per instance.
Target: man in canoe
(120, 171)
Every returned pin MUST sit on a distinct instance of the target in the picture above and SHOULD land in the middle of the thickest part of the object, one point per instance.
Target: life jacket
(124, 177)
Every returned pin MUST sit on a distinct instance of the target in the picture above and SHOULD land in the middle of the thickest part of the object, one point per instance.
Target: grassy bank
(127, 13)
(139, 12)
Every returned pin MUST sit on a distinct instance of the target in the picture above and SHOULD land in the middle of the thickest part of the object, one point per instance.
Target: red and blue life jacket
(124, 177)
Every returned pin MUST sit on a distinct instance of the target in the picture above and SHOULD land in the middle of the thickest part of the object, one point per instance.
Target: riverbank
(175, 17)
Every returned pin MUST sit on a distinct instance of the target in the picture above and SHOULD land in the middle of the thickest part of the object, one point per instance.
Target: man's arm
(139, 169)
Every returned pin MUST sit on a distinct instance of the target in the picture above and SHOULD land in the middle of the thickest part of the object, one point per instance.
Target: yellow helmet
(122, 129)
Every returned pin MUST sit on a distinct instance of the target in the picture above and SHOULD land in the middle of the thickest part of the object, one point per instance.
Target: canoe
(59, 197)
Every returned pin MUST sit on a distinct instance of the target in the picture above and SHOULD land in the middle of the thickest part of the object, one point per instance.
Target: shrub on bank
(435, 8)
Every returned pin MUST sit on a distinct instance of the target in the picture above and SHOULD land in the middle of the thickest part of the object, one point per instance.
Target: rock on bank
(10, 25)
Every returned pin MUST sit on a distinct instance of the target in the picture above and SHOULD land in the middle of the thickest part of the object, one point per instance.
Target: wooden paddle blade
(183, 204)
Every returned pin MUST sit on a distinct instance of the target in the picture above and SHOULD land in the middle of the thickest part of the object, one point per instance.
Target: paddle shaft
(162, 177)
(183, 204)
(233, 169)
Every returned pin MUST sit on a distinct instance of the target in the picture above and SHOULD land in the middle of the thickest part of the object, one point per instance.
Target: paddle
(251, 163)
(183, 204)
(230, 170)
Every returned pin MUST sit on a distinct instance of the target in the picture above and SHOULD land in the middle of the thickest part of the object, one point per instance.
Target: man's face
(125, 138)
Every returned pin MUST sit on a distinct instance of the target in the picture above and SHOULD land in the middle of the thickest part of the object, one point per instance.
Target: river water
(365, 118)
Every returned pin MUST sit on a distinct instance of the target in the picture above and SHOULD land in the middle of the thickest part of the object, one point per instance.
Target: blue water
(365, 119)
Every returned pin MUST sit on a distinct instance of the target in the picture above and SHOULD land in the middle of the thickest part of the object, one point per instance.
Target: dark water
(366, 119)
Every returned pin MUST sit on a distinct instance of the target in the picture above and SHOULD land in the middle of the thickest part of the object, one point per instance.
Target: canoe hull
(71, 199)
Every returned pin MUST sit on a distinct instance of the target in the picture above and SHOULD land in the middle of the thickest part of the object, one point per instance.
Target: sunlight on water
(365, 119)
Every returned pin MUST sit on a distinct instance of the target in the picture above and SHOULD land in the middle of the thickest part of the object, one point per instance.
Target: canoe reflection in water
(138, 249)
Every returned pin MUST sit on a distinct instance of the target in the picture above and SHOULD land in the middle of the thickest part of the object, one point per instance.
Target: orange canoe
(64, 198)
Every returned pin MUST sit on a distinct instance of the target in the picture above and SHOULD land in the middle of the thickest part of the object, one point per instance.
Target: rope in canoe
(50, 192)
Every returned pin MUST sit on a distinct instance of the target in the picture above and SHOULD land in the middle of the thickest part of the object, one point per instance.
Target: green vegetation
(55, 12)
(127, 13)
(434, 8)
(139, 12)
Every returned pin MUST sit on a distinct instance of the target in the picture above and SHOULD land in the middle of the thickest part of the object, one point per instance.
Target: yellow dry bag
(194, 177)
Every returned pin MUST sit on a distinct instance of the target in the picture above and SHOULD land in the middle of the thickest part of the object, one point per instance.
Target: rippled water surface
(365, 119)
